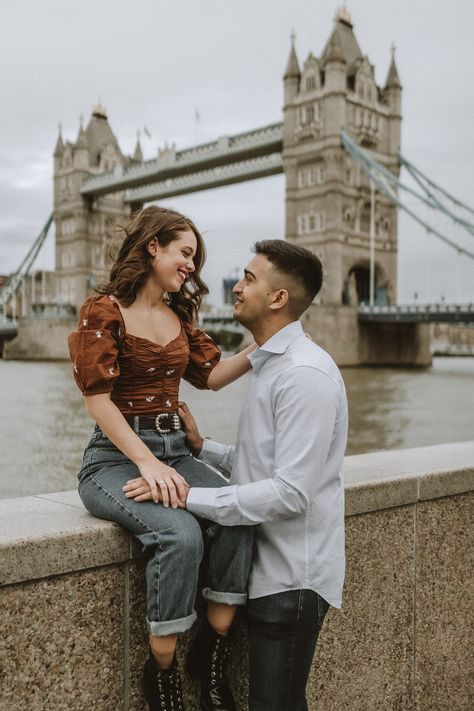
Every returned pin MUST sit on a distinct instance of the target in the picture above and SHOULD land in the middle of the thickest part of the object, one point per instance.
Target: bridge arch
(356, 285)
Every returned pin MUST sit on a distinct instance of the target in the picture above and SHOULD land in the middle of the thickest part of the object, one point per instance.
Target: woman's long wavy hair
(133, 264)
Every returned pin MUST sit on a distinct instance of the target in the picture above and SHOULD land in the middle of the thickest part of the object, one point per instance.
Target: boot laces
(169, 685)
(219, 657)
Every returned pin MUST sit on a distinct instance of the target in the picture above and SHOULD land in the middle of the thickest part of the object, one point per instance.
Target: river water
(44, 427)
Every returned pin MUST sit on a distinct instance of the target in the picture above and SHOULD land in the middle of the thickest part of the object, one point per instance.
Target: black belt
(162, 422)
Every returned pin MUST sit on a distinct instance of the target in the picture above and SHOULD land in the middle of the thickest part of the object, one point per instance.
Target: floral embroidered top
(142, 376)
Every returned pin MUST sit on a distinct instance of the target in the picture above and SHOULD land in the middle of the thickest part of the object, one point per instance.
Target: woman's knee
(185, 539)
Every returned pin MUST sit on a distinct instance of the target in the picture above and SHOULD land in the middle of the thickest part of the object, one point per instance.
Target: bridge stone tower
(328, 198)
(81, 223)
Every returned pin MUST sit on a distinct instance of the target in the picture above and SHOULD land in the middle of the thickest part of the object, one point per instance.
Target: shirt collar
(277, 344)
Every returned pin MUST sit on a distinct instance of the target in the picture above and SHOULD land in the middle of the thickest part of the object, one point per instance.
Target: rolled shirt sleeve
(305, 408)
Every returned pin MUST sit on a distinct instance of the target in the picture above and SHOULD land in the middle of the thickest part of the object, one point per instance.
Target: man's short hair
(302, 268)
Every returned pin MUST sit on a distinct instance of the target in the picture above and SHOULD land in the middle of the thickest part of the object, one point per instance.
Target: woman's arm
(164, 481)
(229, 369)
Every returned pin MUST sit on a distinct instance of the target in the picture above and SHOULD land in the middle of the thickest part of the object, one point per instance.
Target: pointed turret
(138, 153)
(334, 50)
(344, 36)
(336, 66)
(292, 70)
(99, 135)
(59, 149)
(81, 148)
(393, 89)
(393, 80)
(392, 95)
(292, 75)
(81, 141)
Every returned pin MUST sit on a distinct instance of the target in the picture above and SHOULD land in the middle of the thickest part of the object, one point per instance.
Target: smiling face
(173, 263)
(254, 293)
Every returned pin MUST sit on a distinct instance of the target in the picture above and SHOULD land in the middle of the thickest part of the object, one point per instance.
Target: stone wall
(338, 330)
(73, 598)
(41, 339)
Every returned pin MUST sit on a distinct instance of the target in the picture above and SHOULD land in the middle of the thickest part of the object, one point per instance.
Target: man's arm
(306, 407)
(220, 456)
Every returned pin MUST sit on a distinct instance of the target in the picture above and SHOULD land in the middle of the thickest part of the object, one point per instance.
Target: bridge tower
(328, 198)
(82, 223)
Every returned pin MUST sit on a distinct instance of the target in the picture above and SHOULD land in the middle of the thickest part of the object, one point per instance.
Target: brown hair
(132, 265)
(299, 264)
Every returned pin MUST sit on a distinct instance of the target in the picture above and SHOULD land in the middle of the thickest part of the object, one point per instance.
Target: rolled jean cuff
(171, 626)
(224, 597)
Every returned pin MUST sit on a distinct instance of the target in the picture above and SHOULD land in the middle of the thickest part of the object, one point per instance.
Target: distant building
(228, 284)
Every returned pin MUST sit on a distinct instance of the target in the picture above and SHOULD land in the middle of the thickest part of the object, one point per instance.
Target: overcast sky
(154, 63)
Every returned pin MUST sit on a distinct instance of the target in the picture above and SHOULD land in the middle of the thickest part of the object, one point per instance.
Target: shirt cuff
(201, 501)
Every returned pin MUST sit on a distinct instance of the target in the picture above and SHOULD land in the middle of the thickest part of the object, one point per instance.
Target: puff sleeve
(204, 356)
(94, 347)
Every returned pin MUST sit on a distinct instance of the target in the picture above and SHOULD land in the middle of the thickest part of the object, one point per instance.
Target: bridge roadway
(407, 313)
(230, 159)
(418, 313)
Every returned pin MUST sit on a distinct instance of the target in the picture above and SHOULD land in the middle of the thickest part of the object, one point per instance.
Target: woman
(134, 342)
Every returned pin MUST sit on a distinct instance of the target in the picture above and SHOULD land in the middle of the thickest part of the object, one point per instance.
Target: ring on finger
(162, 481)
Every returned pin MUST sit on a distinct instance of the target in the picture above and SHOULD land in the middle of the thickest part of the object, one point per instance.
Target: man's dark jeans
(283, 630)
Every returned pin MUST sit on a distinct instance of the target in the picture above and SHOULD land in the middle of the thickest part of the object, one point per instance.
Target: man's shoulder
(306, 353)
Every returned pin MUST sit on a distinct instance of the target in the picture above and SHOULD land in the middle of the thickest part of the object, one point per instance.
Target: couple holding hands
(263, 525)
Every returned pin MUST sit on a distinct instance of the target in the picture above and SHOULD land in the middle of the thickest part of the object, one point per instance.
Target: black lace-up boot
(207, 661)
(162, 687)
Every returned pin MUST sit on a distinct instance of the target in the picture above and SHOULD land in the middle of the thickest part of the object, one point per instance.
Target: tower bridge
(338, 146)
(229, 159)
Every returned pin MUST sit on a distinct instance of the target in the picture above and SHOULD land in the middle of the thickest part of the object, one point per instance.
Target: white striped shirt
(286, 470)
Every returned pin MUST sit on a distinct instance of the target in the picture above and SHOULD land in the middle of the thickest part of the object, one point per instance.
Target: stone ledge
(397, 477)
(51, 534)
(47, 535)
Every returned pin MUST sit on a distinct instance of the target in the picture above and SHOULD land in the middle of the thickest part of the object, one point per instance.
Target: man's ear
(279, 299)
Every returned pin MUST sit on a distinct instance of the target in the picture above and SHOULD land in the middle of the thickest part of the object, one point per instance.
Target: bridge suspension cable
(389, 184)
(425, 182)
(15, 280)
(422, 177)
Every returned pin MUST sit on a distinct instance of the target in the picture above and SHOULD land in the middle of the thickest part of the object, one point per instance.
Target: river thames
(44, 427)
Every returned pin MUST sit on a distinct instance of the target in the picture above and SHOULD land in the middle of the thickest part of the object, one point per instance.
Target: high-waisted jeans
(174, 539)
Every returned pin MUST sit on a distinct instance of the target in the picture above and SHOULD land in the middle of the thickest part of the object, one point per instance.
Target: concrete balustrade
(73, 598)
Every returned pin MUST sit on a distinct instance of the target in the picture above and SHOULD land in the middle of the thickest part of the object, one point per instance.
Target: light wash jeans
(175, 540)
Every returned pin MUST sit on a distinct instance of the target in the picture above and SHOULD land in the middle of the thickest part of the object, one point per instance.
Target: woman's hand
(139, 490)
(158, 482)
(194, 440)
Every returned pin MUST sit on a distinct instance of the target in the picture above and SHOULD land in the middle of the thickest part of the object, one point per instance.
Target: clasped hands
(159, 482)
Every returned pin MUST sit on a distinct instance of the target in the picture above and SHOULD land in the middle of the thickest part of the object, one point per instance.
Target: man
(285, 474)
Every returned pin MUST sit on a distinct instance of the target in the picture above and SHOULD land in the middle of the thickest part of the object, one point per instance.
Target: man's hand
(194, 440)
(139, 490)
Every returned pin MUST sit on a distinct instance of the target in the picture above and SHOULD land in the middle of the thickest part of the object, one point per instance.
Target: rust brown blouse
(142, 376)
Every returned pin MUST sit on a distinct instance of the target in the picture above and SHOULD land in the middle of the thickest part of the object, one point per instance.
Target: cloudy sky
(154, 63)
